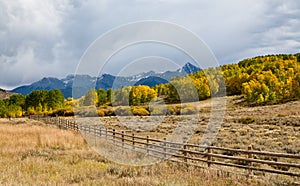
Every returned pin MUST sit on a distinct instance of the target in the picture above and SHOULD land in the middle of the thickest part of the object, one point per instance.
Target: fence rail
(252, 161)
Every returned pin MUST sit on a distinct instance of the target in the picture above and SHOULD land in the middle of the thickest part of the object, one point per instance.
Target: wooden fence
(252, 161)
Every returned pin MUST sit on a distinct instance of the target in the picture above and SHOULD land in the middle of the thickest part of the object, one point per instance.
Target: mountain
(44, 84)
(76, 85)
(189, 68)
(151, 81)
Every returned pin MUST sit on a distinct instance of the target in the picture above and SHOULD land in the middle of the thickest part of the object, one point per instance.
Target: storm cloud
(48, 38)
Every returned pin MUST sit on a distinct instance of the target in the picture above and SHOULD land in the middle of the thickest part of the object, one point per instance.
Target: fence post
(100, 131)
(95, 135)
(84, 128)
(106, 133)
(185, 153)
(165, 147)
(122, 138)
(147, 144)
(59, 123)
(250, 156)
(93, 130)
(76, 126)
(114, 135)
(66, 123)
(133, 141)
(185, 141)
(209, 151)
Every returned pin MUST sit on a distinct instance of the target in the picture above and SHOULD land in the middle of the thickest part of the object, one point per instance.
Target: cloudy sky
(48, 38)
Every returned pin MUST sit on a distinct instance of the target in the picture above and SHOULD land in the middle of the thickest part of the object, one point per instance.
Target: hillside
(269, 79)
(5, 94)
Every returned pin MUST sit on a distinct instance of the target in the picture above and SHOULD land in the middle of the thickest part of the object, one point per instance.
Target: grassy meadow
(33, 153)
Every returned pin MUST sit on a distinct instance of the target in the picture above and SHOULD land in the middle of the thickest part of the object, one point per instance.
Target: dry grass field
(32, 153)
(35, 154)
(269, 128)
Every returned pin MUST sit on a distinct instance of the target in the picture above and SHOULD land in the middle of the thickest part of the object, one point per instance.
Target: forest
(270, 79)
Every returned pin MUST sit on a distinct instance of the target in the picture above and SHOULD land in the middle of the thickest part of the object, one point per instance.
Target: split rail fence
(252, 161)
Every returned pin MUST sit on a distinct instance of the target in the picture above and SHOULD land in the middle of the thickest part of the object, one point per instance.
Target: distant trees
(262, 80)
(274, 80)
(133, 95)
(2, 109)
(38, 101)
(44, 100)
(18, 100)
(141, 94)
(55, 99)
(102, 97)
(12, 107)
(91, 98)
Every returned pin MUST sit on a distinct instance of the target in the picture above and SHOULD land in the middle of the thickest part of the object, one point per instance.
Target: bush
(158, 111)
(109, 112)
(247, 120)
(100, 113)
(123, 111)
(140, 111)
(90, 113)
(189, 109)
(171, 110)
(80, 112)
(174, 110)
(69, 112)
(61, 112)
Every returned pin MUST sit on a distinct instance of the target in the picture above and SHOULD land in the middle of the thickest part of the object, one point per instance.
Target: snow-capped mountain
(79, 84)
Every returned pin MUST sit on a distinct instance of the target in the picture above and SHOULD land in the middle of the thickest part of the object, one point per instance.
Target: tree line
(37, 102)
(261, 80)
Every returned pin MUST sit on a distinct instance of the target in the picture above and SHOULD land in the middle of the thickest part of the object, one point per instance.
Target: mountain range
(76, 85)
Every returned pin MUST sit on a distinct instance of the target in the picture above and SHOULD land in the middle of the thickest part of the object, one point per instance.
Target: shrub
(189, 109)
(171, 110)
(157, 111)
(174, 110)
(61, 112)
(69, 112)
(90, 113)
(100, 113)
(31, 111)
(247, 120)
(80, 112)
(113, 170)
(123, 111)
(140, 111)
(109, 112)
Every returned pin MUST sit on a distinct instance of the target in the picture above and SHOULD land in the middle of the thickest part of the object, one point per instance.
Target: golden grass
(32, 153)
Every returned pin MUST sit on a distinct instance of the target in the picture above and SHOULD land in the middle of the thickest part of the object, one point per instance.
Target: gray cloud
(47, 38)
